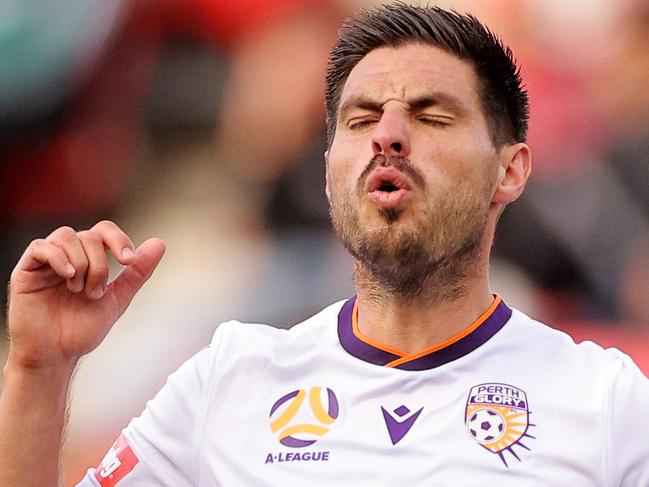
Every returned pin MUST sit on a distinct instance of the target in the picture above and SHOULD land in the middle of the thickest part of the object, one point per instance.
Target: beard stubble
(431, 255)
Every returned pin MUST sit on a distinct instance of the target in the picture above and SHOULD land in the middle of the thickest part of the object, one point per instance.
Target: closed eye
(358, 124)
(435, 121)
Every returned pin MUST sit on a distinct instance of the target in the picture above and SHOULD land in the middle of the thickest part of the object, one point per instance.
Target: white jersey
(507, 402)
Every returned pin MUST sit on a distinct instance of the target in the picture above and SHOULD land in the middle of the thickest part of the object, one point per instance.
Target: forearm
(32, 419)
(61, 307)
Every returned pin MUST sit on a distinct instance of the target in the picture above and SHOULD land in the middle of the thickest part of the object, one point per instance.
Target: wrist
(52, 370)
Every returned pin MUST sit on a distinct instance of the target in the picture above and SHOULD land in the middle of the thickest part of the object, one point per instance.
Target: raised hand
(61, 304)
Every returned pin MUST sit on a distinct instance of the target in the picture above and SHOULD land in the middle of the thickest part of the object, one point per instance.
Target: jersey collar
(364, 348)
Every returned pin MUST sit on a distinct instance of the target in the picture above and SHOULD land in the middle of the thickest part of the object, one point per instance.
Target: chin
(378, 217)
(391, 215)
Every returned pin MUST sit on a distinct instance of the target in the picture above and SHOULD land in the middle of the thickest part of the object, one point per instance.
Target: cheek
(348, 157)
(461, 167)
(342, 175)
(336, 185)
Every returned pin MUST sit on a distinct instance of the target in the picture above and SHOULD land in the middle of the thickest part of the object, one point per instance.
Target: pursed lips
(388, 187)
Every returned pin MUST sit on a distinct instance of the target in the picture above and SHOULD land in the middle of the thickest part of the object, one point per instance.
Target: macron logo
(399, 427)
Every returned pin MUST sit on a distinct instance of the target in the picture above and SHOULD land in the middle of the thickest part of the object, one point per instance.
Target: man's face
(412, 169)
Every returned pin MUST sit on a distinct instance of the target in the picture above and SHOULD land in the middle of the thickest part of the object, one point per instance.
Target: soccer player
(423, 378)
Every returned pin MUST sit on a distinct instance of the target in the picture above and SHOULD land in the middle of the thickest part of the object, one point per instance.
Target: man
(423, 378)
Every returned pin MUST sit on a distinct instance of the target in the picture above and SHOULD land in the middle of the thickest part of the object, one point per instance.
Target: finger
(98, 269)
(42, 278)
(41, 253)
(116, 240)
(133, 276)
(66, 238)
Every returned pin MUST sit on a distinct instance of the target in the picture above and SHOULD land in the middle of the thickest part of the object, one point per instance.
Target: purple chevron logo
(398, 428)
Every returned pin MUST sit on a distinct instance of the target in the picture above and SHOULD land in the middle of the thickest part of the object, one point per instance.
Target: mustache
(400, 163)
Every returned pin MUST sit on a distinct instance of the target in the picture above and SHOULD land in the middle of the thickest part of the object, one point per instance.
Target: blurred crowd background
(202, 122)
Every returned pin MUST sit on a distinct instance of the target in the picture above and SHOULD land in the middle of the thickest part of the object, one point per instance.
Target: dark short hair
(504, 100)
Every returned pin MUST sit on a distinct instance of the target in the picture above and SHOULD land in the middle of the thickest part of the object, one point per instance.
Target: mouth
(388, 188)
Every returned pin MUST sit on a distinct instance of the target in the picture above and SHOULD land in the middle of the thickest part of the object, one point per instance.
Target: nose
(390, 136)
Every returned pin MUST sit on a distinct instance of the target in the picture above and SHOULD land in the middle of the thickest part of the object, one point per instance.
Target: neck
(444, 307)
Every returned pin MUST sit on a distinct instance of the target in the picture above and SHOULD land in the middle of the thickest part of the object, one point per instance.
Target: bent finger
(42, 278)
(41, 253)
(98, 269)
(114, 238)
(67, 239)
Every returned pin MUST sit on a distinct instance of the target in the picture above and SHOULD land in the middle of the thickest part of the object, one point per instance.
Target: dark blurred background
(201, 121)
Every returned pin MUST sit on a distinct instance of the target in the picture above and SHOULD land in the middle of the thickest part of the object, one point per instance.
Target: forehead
(411, 71)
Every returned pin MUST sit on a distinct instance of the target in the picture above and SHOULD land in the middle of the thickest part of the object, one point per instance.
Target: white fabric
(211, 423)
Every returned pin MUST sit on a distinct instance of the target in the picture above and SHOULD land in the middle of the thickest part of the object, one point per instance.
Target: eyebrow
(444, 100)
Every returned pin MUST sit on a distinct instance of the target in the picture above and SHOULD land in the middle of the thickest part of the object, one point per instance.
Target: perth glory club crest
(497, 418)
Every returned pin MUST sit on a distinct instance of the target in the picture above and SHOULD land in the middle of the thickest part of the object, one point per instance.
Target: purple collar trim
(368, 353)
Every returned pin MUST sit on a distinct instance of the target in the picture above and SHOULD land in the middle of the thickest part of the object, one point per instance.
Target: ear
(515, 169)
(327, 190)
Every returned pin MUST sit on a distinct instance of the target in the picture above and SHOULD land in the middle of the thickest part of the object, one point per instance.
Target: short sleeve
(626, 453)
(160, 447)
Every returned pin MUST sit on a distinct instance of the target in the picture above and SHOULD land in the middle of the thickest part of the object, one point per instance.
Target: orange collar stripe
(454, 339)
(368, 340)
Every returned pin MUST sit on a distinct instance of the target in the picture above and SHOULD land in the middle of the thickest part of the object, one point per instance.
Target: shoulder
(546, 338)
(558, 351)
(599, 392)
(245, 339)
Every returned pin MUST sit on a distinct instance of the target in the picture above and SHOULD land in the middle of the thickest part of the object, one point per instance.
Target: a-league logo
(296, 428)
(497, 417)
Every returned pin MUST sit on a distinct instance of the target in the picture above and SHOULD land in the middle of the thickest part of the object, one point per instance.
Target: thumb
(138, 270)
